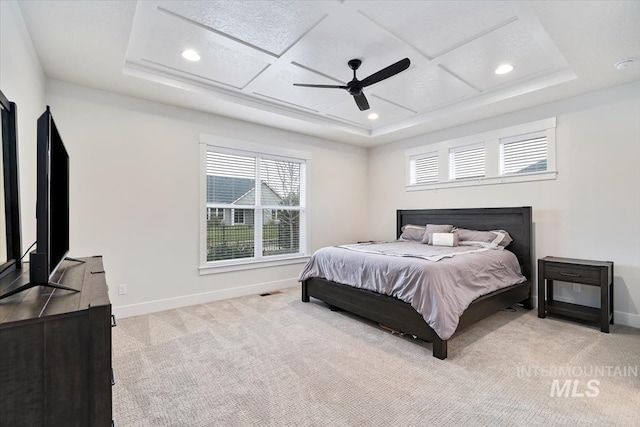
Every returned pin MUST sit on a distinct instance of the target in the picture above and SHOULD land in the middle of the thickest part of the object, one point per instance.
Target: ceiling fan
(355, 86)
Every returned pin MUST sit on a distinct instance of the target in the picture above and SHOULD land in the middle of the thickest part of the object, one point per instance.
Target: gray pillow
(412, 232)
(435, 228)
(496, 237)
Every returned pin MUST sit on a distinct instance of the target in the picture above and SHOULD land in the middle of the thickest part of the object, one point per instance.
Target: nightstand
(591, 273)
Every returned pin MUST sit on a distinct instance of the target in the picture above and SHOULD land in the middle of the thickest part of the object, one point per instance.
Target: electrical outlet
(122, 289)
(576, 287)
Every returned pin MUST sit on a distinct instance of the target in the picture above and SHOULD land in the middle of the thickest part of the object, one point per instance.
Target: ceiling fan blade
(385, 73)
(321, 86)
(362, 102)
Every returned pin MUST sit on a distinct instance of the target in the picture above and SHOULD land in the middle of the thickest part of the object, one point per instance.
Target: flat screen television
(10, 243)
(52, 207)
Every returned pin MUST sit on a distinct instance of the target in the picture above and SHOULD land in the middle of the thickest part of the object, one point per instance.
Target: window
(524, 154)
(255, 205)
(518, 153)
(467, 162)
(214, 214)
(424, 169)
(238, 216)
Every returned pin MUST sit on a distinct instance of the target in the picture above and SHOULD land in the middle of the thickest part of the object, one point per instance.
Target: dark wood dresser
(55, 350)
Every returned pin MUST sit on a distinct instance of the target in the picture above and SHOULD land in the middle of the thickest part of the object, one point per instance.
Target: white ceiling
(253, 51)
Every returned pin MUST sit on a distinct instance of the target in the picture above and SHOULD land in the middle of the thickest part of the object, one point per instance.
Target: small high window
(518, 153)
(467, 162)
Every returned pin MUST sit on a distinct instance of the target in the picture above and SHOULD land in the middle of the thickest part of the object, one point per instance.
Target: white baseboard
(202, 298)
(620, 318)
(627, 319)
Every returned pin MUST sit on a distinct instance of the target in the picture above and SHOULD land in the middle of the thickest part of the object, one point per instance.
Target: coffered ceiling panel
(277, 86)
(438, 26)
(425, 88)
(221, 64)
(267, 25)
(476, 61)
(339, 38)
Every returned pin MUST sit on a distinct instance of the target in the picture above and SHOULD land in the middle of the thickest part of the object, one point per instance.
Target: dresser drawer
(572, 273)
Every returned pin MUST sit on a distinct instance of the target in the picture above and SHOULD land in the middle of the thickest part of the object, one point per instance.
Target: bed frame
(399, 315)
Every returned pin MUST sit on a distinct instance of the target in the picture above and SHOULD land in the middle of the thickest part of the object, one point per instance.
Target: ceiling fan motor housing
(354, 64)
(354, 87)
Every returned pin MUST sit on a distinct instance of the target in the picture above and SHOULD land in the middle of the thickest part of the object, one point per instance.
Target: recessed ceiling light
(625, 63)
(504, 69)
(191, 55)
(373, 116)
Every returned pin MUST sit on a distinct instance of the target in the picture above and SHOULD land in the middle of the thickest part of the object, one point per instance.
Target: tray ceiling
(253, 51)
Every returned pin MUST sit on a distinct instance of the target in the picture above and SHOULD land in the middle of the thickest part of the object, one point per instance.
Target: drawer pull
(113, 377)
(570, 274)
(113, 321)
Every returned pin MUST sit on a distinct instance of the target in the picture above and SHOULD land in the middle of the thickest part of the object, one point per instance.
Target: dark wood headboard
(515, 221)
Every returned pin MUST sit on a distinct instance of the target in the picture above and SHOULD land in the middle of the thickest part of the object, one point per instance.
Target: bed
(401, 316)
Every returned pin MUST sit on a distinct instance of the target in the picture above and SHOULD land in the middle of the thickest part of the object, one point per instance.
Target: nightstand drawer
(572, 273)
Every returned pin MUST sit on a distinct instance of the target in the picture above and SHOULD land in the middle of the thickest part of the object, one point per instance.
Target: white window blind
(525, 154)
(467, 162)
(282, 195)
(259, 204)
(229, 177)
(424, 169)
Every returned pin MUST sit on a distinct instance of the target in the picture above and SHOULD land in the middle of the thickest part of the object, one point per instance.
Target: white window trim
(244, 264)
(234, 146)
(491, 140)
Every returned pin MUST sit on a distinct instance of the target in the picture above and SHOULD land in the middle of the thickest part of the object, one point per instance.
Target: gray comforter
(439, 290)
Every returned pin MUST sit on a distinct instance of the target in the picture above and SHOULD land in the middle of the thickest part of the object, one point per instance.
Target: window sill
(541, 176)
(250, 264)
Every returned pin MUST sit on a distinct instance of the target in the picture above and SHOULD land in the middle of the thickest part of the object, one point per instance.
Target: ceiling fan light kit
(355, 86)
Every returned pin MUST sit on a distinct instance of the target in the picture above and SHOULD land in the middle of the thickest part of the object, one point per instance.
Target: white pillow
(443, 239)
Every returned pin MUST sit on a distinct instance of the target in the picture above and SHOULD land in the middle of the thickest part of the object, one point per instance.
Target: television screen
(58, 199)
(10, 247)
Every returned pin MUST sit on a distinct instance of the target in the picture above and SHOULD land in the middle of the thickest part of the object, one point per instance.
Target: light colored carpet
(275, 361)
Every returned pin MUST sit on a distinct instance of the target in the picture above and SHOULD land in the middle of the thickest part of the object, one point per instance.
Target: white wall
(23, 82)
(592, 209)
(135, 195)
